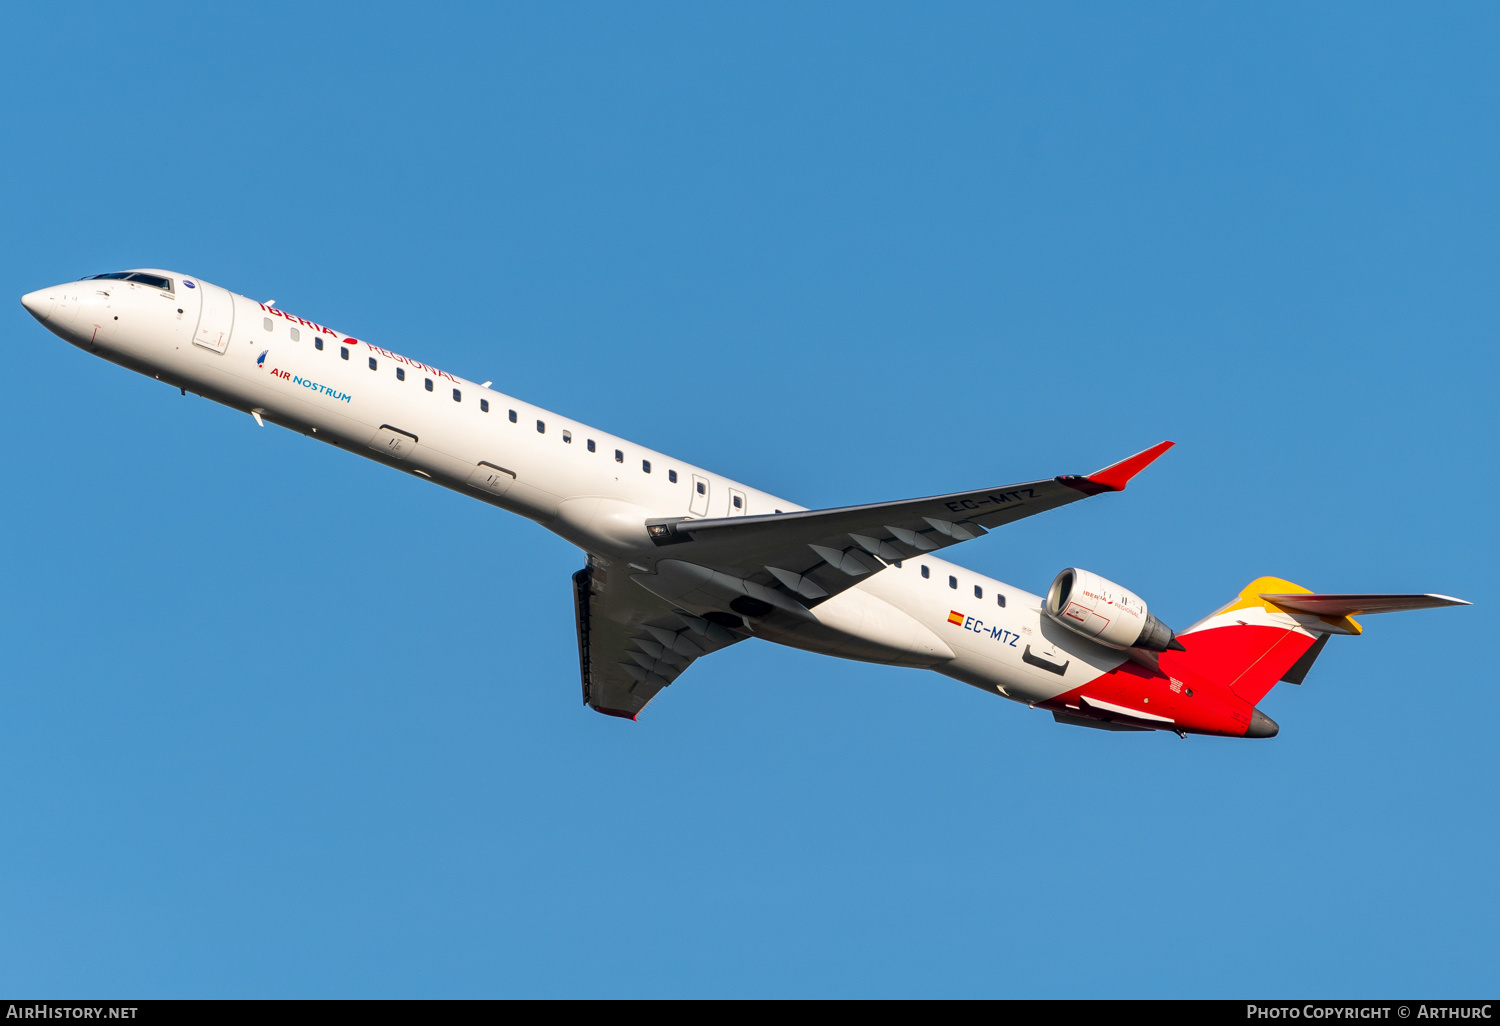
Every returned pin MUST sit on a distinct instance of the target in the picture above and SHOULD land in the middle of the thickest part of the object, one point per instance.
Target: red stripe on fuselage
(1209, 688)
(1192, 703)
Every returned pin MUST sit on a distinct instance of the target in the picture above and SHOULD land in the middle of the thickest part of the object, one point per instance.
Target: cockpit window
(141, 276)
(152, 279)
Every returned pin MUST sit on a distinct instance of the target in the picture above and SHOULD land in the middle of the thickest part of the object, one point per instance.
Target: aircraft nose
(40, 303)
(1262, 725)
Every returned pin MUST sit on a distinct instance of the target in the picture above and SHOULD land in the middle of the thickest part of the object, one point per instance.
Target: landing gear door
(215, 317)
(698, 502)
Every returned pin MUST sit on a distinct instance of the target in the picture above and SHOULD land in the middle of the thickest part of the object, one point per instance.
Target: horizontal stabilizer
(1349, 605)
(1084, 721)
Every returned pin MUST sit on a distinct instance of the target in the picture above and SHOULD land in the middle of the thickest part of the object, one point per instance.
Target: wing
(631, 644)
(1350, 605)
(813, 554)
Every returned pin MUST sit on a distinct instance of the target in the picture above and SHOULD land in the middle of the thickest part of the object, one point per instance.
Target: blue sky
(279, 722)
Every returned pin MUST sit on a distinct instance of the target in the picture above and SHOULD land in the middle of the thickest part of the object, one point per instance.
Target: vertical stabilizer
(1251, 643)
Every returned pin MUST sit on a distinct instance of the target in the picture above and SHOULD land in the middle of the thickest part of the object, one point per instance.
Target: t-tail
(1272, 632)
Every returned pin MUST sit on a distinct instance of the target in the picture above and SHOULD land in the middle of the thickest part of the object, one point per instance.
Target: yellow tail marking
(1251, 597)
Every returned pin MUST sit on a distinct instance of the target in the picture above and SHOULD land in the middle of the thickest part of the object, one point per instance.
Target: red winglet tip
(1115, 477)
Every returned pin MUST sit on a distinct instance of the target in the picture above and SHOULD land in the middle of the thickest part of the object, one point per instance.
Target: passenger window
(458, 396)
(512, 416)
(619, 456)
(738, 502)
(978, 591)
(672, 476)
(317, 341)
(568, 436)
(296, 335)
(926, 572)
(1000, 600)
(484, 406)
(267, 322)
(343, 352)
(591, 445)
(400, 373)
(372, 363)
(541, 428)
(896, 564)
(702, 488)
(427, 384)
(953, 582)
(646, 466)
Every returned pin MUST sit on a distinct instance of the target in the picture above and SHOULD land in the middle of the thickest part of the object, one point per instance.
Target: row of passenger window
(484, 407)
(567, 437)
(953, 583)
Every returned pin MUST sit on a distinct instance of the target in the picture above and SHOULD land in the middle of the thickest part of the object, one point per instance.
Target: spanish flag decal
(957, 618)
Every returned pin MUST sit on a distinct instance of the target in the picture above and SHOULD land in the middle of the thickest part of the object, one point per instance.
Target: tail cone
(1262, 725)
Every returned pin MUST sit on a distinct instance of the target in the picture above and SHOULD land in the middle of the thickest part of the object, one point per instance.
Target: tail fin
(1273, 631)
(1251, 644)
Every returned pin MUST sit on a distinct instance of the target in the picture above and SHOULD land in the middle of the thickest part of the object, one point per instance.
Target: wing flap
(632, 644)
(811, 554)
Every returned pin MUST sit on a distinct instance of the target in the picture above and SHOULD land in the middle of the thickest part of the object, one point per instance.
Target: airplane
(682, 562)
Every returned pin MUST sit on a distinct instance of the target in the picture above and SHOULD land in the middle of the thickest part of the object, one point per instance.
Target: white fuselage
(589, 486)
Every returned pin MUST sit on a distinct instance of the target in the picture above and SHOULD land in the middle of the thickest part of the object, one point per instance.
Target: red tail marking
(1247, 659)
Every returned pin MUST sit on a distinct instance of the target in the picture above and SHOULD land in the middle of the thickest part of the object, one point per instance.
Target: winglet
(1116, 476)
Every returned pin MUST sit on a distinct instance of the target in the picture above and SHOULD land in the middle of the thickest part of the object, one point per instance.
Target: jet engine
(1102, 611)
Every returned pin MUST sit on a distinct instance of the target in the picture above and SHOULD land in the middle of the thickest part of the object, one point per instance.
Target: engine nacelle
(1102, 611)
